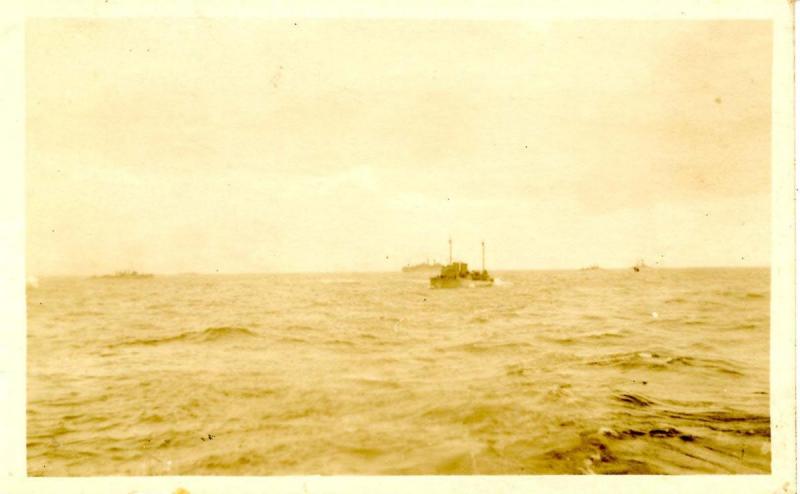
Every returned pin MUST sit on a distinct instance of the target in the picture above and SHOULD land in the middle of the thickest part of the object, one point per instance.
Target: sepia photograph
(398, 246)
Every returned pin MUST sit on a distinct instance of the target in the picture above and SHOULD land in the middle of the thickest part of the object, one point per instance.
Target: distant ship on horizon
(640, 265)
(130, 274)
(426, 267)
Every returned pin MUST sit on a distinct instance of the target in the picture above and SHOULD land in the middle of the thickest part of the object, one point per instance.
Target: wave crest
(208, 334)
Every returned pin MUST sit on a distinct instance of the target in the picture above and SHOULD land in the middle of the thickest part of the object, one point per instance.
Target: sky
(301, 145)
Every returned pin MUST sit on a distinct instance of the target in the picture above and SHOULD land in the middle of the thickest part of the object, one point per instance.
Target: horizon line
(397, 271)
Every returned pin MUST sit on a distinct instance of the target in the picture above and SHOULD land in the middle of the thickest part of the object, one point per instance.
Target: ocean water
(549, 372)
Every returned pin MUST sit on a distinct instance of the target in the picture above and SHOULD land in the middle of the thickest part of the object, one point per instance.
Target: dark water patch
(637, 400)
(725, 417)
(627, 433)
(668, 432)
(726, 422)
(631, 450)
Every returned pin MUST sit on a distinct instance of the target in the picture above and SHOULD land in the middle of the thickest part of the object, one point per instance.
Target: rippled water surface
(663, 371)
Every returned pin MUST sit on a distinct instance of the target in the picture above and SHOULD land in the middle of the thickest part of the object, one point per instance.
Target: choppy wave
(205, 336)
(661, 361)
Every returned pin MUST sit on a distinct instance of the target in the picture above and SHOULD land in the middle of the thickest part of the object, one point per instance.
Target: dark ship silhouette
(426, 267)
(126, 275)
(457, 274)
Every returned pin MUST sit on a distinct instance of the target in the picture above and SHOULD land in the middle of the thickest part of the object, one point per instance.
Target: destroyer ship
(457, 274)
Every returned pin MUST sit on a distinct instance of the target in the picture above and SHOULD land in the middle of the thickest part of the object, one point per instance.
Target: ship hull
(460, 283)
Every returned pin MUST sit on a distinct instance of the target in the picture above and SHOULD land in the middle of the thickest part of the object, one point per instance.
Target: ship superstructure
(457, 274)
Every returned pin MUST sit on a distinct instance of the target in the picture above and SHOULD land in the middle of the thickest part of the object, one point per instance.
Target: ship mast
(450, 242)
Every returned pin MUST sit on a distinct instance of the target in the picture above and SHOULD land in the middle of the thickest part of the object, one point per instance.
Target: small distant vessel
(593, 267)
(640, 265)
(457, 274)
(426, 267)
(126, 275)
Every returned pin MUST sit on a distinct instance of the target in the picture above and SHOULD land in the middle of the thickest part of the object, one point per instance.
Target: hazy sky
(172, 146)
